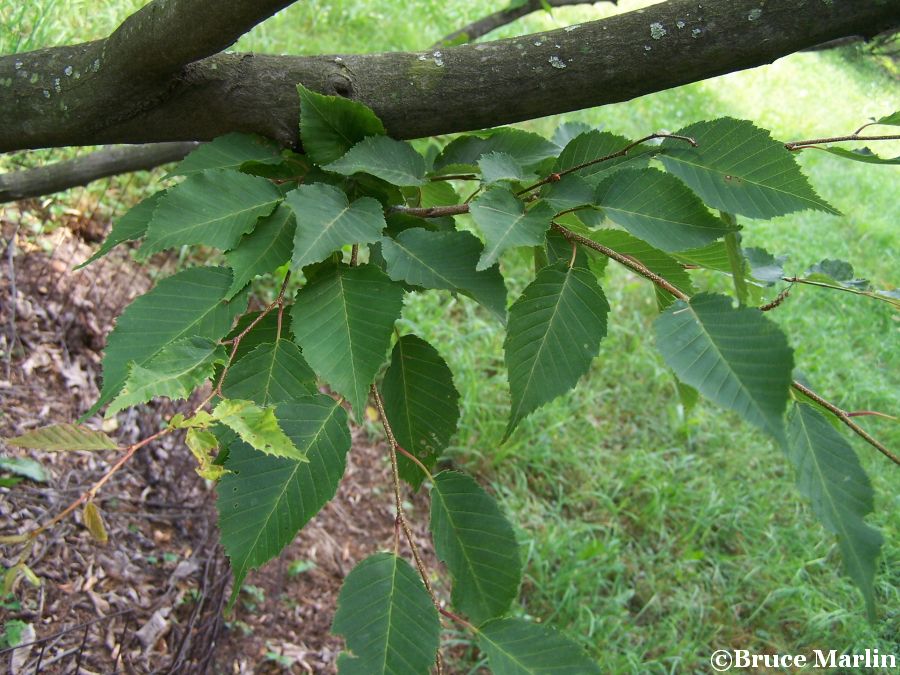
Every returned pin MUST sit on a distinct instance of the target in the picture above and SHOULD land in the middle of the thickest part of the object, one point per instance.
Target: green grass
(652, 538)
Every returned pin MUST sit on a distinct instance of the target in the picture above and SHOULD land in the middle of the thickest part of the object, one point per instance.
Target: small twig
(354, 255)
(844, 417)
(812, 142)
(874, 413)
(458, 619)
(854, 291)
(432, 211)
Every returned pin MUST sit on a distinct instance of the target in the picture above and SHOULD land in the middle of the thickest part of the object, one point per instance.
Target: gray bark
(81, 95)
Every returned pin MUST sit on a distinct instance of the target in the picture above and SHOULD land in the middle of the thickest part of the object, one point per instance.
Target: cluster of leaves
(277, 445)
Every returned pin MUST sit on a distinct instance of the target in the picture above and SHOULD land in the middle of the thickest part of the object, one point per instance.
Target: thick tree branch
(43, 102)
(492, 22)
(52, 178)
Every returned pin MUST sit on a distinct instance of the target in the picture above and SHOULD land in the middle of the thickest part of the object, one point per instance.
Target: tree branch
(65, 96)
(46, 180)
(492, 22)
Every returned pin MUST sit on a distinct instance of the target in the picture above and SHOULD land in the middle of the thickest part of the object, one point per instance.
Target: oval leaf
(93, 521)
(260, 252)
(258, 427)
(331, 125)
(506, 223)
(517, 647)
(396, 162)
(273, 372)
(62, 437)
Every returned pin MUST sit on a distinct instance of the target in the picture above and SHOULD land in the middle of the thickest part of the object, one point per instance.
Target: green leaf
(178, 369)
(202, 444)
(190, 303)
(421, 404)
(273, 372)
(739, 168)
(213, 208)
(326, 221)
(435, 193)
(764, 266)
(893, 119)
(499, 166)
(24, 466)
(593, 145)
(517, 647)
(265, 330)
(331, 125)
(228, 152)
(525, 147)
(394, 161)
(554, 333)
(838, 272)
(569, 192)
(129, 227)
(735, 357)
(830, 476)
(62, 437)
(269, 246)
(506, 224)
(445, 260)
(258, 427)
(712, 257)
(566, 131)
(659, 209)
(387, 619)
(478, 545)
(343, 321)
(265, 500)
(861, 155)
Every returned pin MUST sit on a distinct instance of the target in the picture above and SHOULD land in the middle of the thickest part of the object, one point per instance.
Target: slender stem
(854, 291)
(354, 255)
(455, 176)
(874, 413)
(736, 261)
(800, 145)
(415, 460)
(431, 211)
(844, 417)
(574, 254)
(458, 619)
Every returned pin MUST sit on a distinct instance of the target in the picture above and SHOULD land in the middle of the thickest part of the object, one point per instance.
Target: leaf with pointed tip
(129, 227)
(659, 209)
(387, 619)
(593, 145)
(273, 372)
(554, 333)
(260, 252)
(568, 193)
(190, 303)
(477, 543)
(228, 152)
(861, 155)
(62, 437)
(258, 427)
(394, 161)
(213, 208)
(343, 320)
(264, 501)
(518, 647)
(735, 357)
(326, 221)
(892, 120)
(331, 125)
(499, 166)
(93, 521)
(830, 475)
(421, 404)
(445, 260)
(739, 168)
(525, 147)
(174, 373)
(506, 223)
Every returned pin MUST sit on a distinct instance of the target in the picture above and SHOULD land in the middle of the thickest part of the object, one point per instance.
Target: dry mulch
(151, 599)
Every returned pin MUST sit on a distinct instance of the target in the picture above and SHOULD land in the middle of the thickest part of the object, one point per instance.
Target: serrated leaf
(387, 619)
(62, 437)
(394, 161)
(838, 272)
(445, 260)
(506, 223)
(24, 466)
(174, 373)
(861, 155)
(735, 357)
(265, 330)
(331, 125)
(566, 131)
(213, 208)
(267, 247)
(129, 227)
(326, 220)
(343, 320)
(190, 303)
(499, 166)
(421, 404)
(258, 427)
(517, 647)
(569, 192)
(201, 443)
(228, 152)
(739, 168)
(555, 328)
(264, 501)
(435, 193)
(659, 209)
(93, 521)
(830, 475)
(525, 147)
(477, 543)
(273, 372)
(893, 119)
(593, 145)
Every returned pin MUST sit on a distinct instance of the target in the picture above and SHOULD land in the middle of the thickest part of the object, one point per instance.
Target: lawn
(653, 536)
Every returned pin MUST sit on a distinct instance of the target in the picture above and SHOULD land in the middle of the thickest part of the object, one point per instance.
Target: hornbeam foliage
(361, 221)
